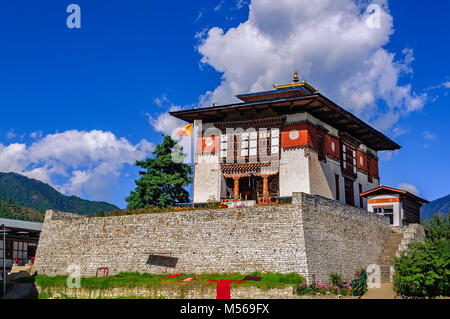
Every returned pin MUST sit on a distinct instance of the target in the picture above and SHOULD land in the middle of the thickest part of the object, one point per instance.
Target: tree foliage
(163, 179)
(424, 271)
(11, 210)
(34, 194)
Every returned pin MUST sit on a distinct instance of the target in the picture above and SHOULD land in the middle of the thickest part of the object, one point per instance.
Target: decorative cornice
(258, 123)
(290, 148)
(247, 168)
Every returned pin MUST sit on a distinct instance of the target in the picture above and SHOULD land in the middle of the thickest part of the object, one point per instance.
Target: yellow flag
(186, 130)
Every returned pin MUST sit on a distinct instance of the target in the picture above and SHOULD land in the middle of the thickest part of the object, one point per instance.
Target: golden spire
(295, 84)
(295, 80)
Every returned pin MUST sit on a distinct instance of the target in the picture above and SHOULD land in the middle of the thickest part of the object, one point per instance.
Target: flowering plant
(319, 288)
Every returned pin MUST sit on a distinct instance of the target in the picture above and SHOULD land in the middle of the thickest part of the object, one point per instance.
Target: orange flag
(186, 130)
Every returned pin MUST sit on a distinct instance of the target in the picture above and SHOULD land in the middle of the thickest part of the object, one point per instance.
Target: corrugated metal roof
(21, 224)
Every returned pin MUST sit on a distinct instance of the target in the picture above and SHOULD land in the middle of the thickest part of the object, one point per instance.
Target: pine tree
(163, 180)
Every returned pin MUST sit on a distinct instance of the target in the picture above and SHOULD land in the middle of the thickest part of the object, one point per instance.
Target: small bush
(336, 279)
(424, 271)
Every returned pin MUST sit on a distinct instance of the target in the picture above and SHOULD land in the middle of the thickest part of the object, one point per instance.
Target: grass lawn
(130, 280)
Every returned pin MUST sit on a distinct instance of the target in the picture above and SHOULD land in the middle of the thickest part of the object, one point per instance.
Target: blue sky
(79, 106)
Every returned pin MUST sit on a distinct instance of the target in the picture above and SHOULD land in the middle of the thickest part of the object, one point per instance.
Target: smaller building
(402, 207)
(21, 241)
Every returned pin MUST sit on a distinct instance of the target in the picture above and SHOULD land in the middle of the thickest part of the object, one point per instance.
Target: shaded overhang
(316, 104)
(20, 228)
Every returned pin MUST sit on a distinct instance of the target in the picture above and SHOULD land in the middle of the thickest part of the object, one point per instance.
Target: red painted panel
(307, 135)
(360, 155)
(374, 168)
(202, 146)
(328, 147)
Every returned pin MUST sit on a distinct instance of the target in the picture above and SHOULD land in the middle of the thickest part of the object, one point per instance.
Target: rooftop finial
(295, 80)
(296, 84)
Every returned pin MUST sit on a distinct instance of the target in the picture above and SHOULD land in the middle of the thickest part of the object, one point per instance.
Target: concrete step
(390, 250)
(384, 292)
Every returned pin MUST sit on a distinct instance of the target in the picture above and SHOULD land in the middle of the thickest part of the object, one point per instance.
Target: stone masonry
(313, 235)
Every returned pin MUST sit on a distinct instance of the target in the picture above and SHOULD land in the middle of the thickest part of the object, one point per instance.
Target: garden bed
(136, 285)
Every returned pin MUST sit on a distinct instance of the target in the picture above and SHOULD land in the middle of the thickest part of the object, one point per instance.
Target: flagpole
(4, 259)
(197, 124)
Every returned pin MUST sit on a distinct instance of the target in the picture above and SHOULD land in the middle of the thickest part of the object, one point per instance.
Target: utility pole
(4, 259)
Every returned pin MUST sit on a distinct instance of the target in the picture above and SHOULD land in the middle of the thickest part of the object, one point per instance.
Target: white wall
(395, 205)
(366, 186)
(294, 172)
(323, 176)
(207, 178)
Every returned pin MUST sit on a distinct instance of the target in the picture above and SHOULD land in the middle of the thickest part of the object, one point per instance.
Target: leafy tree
(437, 227)
(424, 271)
(164, 178)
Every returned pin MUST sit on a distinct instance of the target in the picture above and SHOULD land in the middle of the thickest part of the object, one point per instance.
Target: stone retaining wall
(313, 235)
(340, 238)
(169, 292)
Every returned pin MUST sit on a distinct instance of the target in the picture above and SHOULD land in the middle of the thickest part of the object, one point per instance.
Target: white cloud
(74, 162)
(161, 101)
(331, 45)
(166, 123)
(219, 5)
(13, 157)
(241, 3)
(11, 134)
(446, 84)
(387, 155)
(429, 136)
(397, 131)
(199, 15)
(36, 134)
(409, 188)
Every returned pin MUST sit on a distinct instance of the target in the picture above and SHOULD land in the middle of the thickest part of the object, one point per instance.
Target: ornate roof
(296, 97)
(381, 190)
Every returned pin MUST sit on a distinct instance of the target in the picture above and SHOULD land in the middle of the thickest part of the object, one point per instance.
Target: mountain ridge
(440, 206)
(40, 196)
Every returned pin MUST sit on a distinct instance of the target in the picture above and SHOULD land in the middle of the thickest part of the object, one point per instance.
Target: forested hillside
(440, 206)
(34, 194)
(11, 210)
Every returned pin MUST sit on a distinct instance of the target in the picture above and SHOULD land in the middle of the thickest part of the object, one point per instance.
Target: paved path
(384, 292)
(19, 291)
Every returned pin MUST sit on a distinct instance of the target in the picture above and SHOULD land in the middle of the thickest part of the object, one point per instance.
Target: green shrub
(336, 279)
(424, 271)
